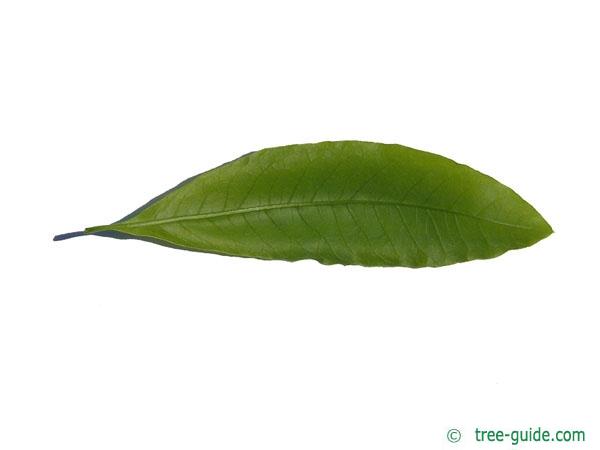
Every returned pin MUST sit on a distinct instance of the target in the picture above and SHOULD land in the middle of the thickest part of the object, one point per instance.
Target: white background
(108, 344)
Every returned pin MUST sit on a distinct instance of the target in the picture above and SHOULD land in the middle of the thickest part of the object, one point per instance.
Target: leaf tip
(547, 227)
(544, 229)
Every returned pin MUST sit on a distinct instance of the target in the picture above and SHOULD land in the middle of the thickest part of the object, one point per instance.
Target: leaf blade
(346, 202)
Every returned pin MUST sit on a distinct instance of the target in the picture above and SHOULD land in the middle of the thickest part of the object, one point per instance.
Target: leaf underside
(344, 202)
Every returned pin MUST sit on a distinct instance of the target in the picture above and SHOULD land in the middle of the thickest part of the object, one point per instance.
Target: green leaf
(345, 202)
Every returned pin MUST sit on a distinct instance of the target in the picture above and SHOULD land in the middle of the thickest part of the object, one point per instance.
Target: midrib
(313, 204)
